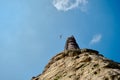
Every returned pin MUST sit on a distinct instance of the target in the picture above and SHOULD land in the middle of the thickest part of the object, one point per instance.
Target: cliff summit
(79, 64)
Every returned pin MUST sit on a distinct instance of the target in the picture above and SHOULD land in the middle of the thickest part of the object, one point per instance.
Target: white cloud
(96, 39)
(65, 5)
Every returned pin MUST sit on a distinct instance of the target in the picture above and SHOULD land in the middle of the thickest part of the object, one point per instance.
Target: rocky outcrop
(84, 64)
(80, 64)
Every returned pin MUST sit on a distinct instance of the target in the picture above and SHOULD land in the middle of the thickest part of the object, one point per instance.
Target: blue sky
(30, 30)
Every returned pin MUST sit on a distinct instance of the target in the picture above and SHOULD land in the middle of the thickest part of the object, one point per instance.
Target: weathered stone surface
(84, 64)
(79, 64)
(71, 44)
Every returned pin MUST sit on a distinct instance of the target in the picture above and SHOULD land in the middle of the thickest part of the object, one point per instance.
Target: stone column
(71, 44)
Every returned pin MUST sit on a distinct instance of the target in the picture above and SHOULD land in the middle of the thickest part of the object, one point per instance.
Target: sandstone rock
(82, 65)
(79, 64)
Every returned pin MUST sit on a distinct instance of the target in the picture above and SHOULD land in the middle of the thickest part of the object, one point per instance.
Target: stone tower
(71, 44)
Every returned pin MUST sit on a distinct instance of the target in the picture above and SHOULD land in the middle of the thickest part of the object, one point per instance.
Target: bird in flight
(60, 36)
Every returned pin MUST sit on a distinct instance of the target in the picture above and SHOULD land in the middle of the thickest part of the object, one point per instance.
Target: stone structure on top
(79, 64)
(71, 44)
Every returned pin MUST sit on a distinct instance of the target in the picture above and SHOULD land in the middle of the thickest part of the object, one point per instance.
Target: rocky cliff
(80, 64)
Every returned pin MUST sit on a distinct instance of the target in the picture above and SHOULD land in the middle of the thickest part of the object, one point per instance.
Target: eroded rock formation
(80, 64)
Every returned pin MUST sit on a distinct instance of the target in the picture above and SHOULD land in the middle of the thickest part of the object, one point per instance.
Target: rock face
(80, 64)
